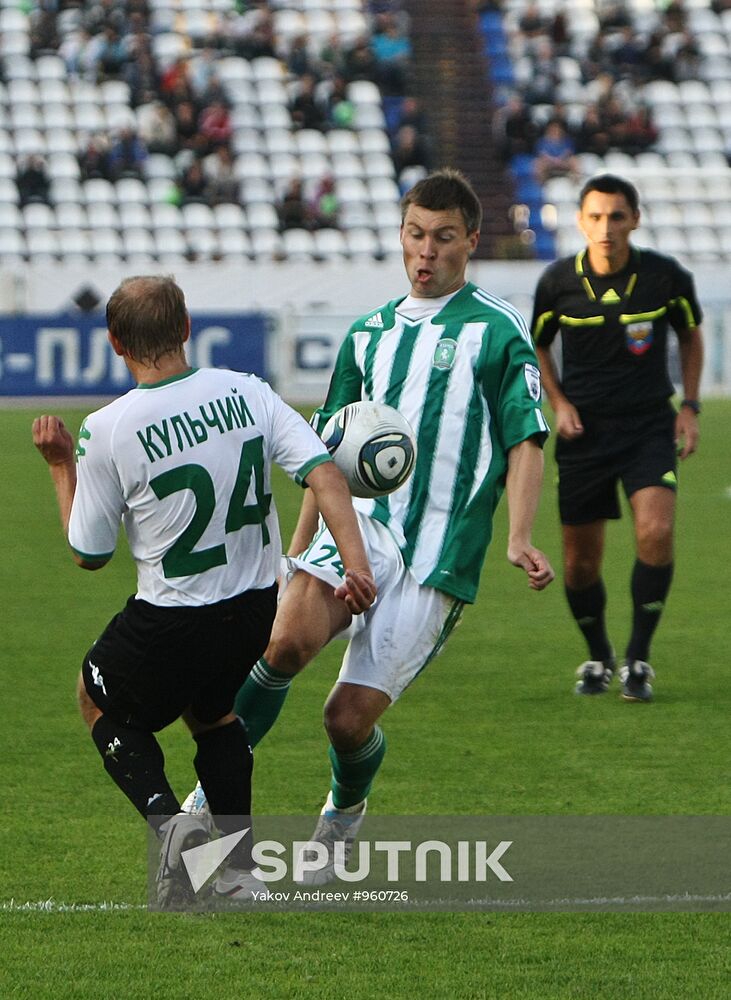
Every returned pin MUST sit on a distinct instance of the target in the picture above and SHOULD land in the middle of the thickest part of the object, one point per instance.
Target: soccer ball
(373, 445)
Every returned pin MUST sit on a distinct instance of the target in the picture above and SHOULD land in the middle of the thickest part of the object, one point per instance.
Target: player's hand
(358, 590)
(568, 421)
(687, 432)
(535, 563)
(53, 440)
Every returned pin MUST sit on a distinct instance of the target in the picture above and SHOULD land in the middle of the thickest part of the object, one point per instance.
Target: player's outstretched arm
(53, 440)
(523, 488)
(332, 497)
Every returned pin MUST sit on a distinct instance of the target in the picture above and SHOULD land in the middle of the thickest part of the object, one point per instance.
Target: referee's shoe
(635, 676)
(595, 676)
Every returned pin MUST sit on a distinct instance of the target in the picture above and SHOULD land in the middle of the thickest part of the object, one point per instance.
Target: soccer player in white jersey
(460, 365)
(184, 460)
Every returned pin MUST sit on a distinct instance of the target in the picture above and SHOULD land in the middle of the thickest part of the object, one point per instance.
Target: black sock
(224, 763)
(134, 761)
(587, 606)
(649, 587)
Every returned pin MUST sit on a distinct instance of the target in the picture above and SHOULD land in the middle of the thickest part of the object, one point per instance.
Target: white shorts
(392, 642)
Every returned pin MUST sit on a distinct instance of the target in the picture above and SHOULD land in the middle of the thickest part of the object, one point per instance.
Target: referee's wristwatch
(693, 405)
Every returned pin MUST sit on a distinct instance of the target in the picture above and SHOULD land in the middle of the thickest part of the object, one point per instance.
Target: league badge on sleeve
(533, 381)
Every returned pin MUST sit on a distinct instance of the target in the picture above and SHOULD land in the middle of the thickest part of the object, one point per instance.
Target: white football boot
(237, 886)
(334, 826)
(180, 833)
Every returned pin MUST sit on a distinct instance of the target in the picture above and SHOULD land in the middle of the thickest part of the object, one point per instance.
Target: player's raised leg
(309, 615)
(583, 547)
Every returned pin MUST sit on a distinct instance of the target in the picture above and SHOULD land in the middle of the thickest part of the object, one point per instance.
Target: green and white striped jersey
(463, 371)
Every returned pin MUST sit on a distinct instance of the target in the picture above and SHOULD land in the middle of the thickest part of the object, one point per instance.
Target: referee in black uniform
(613, 305)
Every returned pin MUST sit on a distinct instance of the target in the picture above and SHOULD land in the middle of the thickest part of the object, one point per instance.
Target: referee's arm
(690, 343)
(568, 422)
(545, 328)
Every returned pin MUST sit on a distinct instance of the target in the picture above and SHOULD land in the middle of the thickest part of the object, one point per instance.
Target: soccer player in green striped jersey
(459, 364)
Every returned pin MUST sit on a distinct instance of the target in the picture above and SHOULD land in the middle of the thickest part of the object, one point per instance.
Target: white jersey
(185, 464)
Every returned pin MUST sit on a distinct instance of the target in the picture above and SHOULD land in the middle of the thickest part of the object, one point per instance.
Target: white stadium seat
(234, 243)
(266, 243)
(330, 244)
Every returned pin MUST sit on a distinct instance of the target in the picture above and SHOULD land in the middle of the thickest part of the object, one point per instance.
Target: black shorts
(152, 663)
(637, 450)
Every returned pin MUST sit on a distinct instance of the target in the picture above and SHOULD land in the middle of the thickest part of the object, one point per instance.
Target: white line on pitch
(51, 906)
(525, 905)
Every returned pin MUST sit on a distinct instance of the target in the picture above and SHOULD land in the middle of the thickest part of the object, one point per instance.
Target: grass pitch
(491, 728)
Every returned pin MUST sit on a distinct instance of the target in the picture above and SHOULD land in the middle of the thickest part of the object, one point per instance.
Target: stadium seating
(48, 107)
(685, 175)
(52, 108)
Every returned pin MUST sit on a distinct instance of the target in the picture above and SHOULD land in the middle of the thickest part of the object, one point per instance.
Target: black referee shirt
(614, 328)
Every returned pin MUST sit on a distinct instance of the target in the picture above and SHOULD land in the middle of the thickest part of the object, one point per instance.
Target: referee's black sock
(649, 587)
(134, 761)
(224, 764)
(587, 606)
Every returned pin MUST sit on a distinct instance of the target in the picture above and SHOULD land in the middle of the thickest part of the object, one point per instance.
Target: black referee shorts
(152, 663)
(637, 450)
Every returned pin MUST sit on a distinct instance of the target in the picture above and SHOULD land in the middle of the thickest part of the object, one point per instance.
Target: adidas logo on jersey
(376, 320)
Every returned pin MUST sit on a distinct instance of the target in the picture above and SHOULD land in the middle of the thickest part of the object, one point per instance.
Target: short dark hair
(611, 184)
(444, 189)
(148, 316)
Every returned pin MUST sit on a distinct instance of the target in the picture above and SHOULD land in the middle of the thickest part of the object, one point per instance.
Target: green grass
(491, 728)
(366, 957)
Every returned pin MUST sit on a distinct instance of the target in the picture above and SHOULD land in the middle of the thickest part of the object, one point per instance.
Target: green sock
(353, 773)
(260, 699)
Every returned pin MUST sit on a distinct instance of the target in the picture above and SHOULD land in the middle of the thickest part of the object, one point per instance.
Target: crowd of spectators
(607, 72)
(182, 110)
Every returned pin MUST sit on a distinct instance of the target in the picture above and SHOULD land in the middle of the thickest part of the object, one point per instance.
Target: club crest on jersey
(639, 337)
(533, 381)
(444, 354)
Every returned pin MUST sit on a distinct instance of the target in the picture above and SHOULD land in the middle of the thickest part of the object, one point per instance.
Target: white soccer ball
(373, 445)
